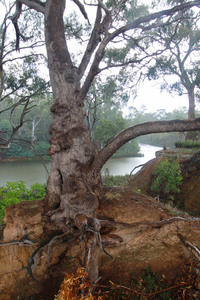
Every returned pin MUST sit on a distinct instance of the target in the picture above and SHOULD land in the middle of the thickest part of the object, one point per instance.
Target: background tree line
(32, 139)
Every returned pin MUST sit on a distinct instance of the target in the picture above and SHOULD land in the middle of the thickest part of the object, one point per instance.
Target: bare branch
(1, 59)
(82, 9)
(26, 109)
(92, 43)
(34, 4)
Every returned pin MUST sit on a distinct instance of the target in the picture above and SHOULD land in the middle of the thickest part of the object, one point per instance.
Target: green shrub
(15, 192)
(188, 144)
(41, 148)
(167, 180)
(111, 180)
(19, 150)
(22, 150)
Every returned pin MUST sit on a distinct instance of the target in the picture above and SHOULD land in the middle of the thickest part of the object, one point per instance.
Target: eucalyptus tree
(179, 65)
(73, 187)
(20, 79)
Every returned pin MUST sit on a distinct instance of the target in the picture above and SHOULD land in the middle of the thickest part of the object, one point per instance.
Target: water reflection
(28, 171)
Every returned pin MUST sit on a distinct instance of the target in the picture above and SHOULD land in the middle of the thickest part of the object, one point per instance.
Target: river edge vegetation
(35, 145)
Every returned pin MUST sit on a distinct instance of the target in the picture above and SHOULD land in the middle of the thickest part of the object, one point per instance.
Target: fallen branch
(116, 287)
(136, 168)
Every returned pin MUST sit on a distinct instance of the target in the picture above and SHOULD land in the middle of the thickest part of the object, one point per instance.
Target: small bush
(167, 180)
(111, 180)
(15, 192)
(19, 151)
(41, 148)
(189, 144)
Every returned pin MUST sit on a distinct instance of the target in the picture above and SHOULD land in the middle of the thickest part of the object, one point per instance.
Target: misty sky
(149, 94)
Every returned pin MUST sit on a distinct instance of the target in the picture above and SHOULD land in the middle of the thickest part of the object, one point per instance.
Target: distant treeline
(33, 137)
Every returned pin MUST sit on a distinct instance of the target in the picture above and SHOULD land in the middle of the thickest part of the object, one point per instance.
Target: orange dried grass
(76, 287)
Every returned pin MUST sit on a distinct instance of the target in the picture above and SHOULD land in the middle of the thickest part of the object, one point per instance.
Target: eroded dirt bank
(138, 232)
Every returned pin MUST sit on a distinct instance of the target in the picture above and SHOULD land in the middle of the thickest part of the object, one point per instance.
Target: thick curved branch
(142, 129)
(34, 4)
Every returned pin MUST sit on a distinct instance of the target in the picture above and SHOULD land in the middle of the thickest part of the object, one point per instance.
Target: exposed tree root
(154, 224)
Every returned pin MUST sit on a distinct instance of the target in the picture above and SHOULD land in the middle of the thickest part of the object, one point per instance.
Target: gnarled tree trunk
(72, 189)
(70, 186)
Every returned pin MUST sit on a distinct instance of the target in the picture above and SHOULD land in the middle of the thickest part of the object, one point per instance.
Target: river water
(33, 171)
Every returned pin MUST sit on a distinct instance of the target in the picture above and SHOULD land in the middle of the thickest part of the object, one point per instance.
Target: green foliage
(188, 144)
(41, 148)
(15, 192)
(181, 59)
(118, 180)
(167, 180)
(24, 150)
(116, 55)
(157, 285)
(107, 128)
(4, 124)
(19, 150)
(130, 149)
(111, 122)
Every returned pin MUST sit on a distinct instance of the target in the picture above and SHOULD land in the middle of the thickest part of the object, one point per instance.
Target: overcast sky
(149, 94)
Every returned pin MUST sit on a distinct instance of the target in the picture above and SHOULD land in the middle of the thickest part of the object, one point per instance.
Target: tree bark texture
(71, 148)
(191, 111)
(70, 189)
(191, 100)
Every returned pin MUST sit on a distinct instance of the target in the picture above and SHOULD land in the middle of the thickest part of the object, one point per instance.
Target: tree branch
(92, 44)
(82, 9)
(55, 36)
(158, 15)
(94, 69)
(34, 4)
(142, 129)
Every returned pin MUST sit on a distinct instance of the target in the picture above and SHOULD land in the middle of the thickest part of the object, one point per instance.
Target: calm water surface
(123, 166)
(32, 172)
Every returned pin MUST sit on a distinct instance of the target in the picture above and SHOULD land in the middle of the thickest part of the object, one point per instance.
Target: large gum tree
(73, 187)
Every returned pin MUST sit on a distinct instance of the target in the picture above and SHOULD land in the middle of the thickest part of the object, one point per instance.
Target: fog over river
(33, 171)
